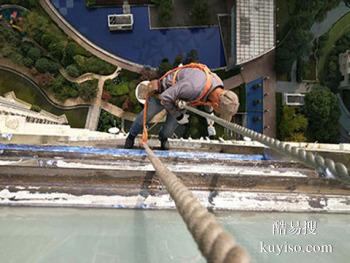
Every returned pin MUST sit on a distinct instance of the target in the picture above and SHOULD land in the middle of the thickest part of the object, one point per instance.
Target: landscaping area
(331, 75)
(30, 93)
(43, 48)
(121, 91)
(328, 40)
(296, 19)
(178, 13)
(317, 120)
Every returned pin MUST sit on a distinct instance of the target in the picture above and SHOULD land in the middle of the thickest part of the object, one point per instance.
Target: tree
(35, 25)
(35, 108)
(34, 53)
(47, 39)
(323, 113)
(164, 67)
(200, 12)
(88, 90)
(165, 8)
(293, 125)
(73, 71)
(44, 65)
(284, 60)
(72, 49)
(178, 60)
(56, 49)
(107, 121)
(120, 89)
(28, 62)
(93, 64)
(192, 56)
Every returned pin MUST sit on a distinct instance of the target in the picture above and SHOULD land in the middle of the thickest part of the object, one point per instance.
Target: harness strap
(199, 101)
(207, 86)
(144, 138)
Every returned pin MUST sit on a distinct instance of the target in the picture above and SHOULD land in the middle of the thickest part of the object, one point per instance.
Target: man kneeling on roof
(194, 84)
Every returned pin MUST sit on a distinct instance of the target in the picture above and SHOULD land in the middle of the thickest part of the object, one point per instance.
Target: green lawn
(26, 91)
(336, 32)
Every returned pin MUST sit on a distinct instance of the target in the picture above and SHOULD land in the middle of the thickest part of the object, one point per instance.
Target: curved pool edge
(85, 43)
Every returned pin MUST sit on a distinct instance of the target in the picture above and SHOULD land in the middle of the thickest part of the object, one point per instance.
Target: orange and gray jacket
(190, 83)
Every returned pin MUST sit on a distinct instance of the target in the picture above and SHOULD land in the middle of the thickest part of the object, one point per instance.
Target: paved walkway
(88, 45)
(318, 29)
(118, 112)
(95, 108)
(261, 67)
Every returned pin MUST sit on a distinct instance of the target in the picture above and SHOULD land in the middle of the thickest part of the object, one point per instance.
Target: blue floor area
(255, 105)
(142, 45)
(134, 152)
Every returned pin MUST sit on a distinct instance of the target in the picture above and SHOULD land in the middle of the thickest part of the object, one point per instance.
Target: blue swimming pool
(142, 45)
(255, 105)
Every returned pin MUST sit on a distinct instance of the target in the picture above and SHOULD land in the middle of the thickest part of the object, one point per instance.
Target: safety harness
(197, 102)
(208, 84)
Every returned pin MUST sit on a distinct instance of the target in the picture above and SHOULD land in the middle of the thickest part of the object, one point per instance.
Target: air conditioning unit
(293, 99)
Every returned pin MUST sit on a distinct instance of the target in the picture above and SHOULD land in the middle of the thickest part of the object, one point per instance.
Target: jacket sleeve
(174, 93)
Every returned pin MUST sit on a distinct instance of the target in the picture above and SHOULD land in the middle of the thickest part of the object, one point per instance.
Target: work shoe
(129, 142)
(164, 144)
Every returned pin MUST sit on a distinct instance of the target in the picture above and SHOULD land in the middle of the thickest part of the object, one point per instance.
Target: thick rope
(216, 245)
(323, 166)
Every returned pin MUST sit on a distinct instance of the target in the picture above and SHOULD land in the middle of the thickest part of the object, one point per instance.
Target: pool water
(143, 45)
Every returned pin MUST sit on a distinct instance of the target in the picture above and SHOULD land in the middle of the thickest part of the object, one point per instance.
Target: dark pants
(154, 107)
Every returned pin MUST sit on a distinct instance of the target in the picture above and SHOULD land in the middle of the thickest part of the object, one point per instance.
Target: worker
(194, 84)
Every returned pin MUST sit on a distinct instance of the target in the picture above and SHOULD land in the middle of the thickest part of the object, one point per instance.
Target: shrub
(192, 56)
(88, 90)
(28, 62)
(323, 113)
(164, 67)
(90, 3)
(293, 125)
(34, 53)
(44, 65)
(73, 71)
(200, 12)
(35, 108)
